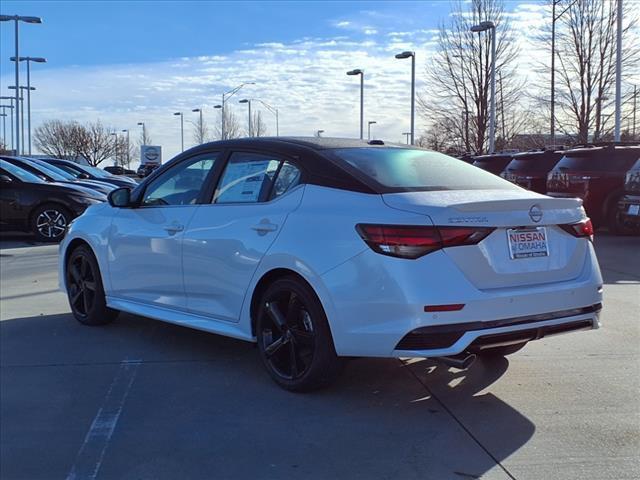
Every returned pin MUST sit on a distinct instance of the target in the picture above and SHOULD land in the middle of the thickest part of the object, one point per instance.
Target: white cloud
(305, 79)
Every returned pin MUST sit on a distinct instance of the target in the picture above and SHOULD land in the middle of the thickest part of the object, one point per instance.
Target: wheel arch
(267, 279)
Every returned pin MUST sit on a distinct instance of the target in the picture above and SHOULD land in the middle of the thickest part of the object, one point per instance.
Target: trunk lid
(489, 264)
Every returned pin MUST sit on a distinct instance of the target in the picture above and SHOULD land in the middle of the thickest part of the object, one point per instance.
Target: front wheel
(49, 222)
(85, 290)
(294, 339)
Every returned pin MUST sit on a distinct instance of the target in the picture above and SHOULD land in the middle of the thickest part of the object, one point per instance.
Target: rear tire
(84, 289)
(502, 351)
(49, 222)
(615, 223)
(294, 339)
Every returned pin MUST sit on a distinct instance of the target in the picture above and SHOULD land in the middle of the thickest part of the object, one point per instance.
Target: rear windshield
(404, 170)
(534, 162)
(600, 160)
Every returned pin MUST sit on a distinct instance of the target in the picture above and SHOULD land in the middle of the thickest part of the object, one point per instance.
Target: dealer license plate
(527, 242)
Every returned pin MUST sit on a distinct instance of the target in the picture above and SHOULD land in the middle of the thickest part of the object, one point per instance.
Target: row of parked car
(605, 176)
(42, 196)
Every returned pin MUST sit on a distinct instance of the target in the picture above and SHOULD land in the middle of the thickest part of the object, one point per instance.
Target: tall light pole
(144, 132)
(413, 89)
(407, 136)
(200, 126)
(115, 150)
(618, 73)
(225, 97)
(274, 111)
(4, 128)
(10, 107)
(635, 98)
(181, 129)
(29, 60)
(20, 110)
(128, 159)
(369, 123)
(248, 102)
(16, 19)
(482, 27)
(359, 71)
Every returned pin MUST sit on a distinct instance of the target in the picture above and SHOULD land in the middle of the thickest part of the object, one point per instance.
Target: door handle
(264, 227)
(174, 228)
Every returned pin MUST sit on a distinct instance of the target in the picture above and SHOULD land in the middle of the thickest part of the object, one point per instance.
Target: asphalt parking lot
(140, 399)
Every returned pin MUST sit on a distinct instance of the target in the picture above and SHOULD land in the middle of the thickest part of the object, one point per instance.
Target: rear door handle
(174, 228)
(264, 227)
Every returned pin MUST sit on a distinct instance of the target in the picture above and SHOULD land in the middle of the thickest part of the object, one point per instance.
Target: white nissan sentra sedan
(319, 249)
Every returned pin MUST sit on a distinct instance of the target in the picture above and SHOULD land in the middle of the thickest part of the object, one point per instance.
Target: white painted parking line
(91, 454)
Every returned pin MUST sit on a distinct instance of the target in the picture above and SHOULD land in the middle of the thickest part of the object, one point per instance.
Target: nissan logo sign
(151, 154)
(535, 213)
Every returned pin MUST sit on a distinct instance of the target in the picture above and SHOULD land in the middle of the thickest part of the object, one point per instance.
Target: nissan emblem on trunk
(535, 213)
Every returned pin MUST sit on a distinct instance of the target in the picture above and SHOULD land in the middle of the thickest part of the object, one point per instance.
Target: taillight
(580, 229)
(408, 241)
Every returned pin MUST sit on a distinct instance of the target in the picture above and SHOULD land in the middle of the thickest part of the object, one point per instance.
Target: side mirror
(83, 176)
(120, 197)
(5, 179)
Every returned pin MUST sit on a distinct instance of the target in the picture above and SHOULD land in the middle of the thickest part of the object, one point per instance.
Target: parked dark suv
(530, 169)
(596, 174)
(629, 205)
(494, 163)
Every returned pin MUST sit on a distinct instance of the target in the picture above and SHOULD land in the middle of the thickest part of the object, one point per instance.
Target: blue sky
(124, 62)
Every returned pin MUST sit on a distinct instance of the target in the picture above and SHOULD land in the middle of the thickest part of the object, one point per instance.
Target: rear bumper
(375, 304)
(476, 336)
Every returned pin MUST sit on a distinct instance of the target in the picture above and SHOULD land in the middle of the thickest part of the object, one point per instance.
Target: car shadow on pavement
(10, 240)
(202, 406)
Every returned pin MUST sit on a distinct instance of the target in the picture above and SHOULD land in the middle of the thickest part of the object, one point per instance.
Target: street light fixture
(319, 133)
(248, 102)
(359, 71)
(16, 19)
(29, 60)
(200, 125)
(144, 131)
(181, 129)
(483, 27)
(411, 55)
(369, 123)
(225, 97)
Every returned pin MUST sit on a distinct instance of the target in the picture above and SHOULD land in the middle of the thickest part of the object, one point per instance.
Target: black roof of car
(313, 143)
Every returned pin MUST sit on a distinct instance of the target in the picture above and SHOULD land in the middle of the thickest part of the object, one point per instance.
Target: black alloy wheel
(85, 290)
(293, 336)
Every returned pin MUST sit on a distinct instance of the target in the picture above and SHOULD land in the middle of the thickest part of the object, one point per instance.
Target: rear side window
(253, 177)
(404, 170)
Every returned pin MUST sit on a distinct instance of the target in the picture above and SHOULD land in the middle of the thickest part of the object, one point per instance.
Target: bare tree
(57, 138)
(458, 77)
(94, 143)
(231, 125)
(586, 62)
(258, 126)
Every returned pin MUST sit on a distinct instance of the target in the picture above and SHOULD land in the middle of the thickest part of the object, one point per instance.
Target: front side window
(247, 178)
(180, 185)
(403, 170)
